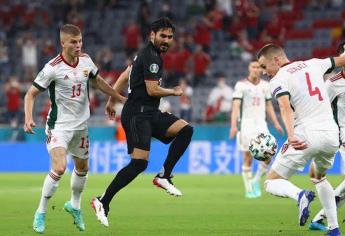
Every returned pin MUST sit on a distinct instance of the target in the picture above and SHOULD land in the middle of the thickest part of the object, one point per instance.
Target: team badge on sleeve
(277, 90)
(86, 73)
(154, 68)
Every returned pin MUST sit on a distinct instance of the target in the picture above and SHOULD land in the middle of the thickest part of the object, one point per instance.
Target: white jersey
(303, 82)
(336, 92)
(253, 102)
(68, 87)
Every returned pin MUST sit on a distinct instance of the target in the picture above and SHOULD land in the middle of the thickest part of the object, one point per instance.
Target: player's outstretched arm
(272, 115)
(29, 101)
(154, 90)
(235, 113)
(339, 61)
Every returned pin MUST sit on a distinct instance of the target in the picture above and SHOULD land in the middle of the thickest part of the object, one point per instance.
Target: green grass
(211, 205)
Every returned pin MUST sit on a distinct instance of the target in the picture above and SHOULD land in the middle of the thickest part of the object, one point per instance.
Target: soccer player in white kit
(251, 100)
(336, 92)
(312, 132)
(67, 79)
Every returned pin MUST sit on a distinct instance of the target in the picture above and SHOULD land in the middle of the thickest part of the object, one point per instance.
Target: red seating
(326, 23)
(299, 34)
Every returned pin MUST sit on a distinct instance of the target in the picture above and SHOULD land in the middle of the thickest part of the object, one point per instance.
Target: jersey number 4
(76, 90)
(313, 91)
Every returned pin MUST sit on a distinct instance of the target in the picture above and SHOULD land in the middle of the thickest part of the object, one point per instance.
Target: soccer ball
(263, 147)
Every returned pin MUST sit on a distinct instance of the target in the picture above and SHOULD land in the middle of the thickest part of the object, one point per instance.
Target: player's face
(270, 68)
(255, 70)
(163, 39)
(72, 44)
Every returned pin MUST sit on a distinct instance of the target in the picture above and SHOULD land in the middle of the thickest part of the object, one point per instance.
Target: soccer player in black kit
(142, 119)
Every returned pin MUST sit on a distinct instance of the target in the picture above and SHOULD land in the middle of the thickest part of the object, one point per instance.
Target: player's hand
(279, 128)
(297, 144)
(233, 132)
(28, 126)
(110, 110)
(178, 91)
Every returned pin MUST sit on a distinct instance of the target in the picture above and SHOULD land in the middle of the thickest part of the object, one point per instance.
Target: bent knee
(59, 170)
(187, 131)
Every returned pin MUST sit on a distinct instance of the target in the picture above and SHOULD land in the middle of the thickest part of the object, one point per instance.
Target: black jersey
(147, 65)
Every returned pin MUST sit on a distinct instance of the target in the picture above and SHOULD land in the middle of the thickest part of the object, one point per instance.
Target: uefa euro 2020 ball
(263, 147)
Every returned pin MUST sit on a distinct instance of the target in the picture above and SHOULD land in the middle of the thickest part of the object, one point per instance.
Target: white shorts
(245, 135)
(75, 142)
(322, 146)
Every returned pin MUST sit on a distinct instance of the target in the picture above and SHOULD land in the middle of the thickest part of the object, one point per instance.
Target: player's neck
(254, 80)
(69, 59)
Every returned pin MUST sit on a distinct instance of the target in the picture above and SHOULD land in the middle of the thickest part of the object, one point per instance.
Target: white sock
(247, 176)
(261, 171)
(340, 190)
(327, 199)
(319, 216)
(282, 188)
(51, 182)
(78, 181)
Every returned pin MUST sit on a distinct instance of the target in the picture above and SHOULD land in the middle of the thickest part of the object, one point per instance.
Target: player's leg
(243, 140)
(137, 165)
(168, 127)
(260, 172)
(78, 181)
(138, 133)
(247, 174)
(51, 182)
(287, 162)
(326, 194)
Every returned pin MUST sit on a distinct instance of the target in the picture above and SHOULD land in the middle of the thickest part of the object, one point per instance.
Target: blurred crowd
(29, 38)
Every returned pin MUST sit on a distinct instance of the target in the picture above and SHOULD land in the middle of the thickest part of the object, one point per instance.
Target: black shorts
(143, 123)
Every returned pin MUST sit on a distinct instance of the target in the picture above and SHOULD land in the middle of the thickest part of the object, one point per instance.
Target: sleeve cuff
(282, 94)
(38, 86)
(92, 76)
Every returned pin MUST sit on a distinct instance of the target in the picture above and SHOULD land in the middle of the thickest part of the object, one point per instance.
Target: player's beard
(159, 45)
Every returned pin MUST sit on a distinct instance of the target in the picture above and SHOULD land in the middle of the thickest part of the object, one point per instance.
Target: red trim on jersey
(74, 66)
(285, 64)
(56, 61)
(338, 76)
(150, 79)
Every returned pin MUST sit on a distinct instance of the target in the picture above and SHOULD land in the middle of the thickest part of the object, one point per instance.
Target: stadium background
(214, 39)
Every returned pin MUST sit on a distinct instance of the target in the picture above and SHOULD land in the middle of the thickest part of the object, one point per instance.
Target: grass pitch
(211, 205)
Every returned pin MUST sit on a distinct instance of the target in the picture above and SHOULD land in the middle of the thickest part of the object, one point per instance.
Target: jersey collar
(71, 65)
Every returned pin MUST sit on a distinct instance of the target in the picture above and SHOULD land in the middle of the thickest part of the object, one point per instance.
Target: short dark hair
(268, 49)
(340, 48)
(70, 29)
(162, 23)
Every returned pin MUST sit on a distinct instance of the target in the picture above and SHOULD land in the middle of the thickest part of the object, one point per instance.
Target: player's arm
(341, 116)
(339, 61)
(119, 86)
(287, 115)
(272, 115)
(29, 101)
(235, 114)
(100, 84)
(154, 90)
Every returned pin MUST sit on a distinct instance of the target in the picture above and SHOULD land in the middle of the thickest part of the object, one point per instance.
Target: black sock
(123, 177)
(176, 150)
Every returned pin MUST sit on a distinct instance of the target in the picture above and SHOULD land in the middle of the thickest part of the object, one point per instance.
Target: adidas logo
(66, 77)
